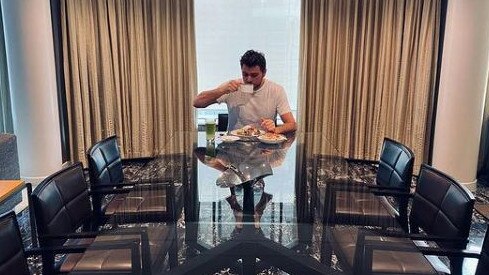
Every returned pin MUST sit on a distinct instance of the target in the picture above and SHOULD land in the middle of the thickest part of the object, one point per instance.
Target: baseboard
(472, 186)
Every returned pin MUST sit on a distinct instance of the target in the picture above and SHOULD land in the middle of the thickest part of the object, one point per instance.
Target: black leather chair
(149, 200)
(482, 255)
(441, 209)
(222, 122)
(13, 255)
(62, 208)
(348, 202)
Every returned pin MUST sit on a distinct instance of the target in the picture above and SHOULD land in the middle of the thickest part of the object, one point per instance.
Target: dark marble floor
(357, 170)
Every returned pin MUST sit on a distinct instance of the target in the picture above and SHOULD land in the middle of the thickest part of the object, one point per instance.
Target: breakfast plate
(272, 138)
(229, 139)
(247, 132)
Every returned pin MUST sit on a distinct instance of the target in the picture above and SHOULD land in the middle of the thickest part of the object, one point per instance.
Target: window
(6, 120)
(225, 29)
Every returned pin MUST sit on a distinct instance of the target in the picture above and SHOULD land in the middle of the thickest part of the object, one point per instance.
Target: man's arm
(209, 97)
(289, 124)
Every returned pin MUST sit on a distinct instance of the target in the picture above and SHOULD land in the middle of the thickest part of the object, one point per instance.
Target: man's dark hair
(253, 58)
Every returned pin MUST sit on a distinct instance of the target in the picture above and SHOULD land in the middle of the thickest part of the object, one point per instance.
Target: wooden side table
(9, 188)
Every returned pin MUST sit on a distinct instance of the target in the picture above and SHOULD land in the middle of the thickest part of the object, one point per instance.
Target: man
(259, 108)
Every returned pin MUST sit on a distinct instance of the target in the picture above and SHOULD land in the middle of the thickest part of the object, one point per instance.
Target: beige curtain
(130, 70)
(368, 72)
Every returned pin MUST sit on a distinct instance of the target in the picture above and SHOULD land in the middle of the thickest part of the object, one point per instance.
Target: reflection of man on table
(242, 162)
(247, 160)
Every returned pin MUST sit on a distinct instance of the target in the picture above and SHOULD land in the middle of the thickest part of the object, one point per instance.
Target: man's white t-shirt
(249, 108)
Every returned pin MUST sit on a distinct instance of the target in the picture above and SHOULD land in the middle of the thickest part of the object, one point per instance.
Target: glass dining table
(248, 207)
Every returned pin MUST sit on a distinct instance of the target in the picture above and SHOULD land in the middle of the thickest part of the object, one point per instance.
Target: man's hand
(209, 97)
(268, 125)
(231, 86)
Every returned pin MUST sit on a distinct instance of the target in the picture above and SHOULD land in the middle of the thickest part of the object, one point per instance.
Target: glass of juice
(210, 129)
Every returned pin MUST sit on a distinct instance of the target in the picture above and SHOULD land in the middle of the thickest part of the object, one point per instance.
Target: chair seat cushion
(435, 261)
(384, 261)
(360, 204)
(138, 201)
(364, 208)
(115, 260)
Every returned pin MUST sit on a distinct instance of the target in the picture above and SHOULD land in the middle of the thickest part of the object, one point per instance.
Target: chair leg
(32, 220)
(456, 265)
(249, 265)
(326, 248)
(48, 263)
(173, 254)
(145, 252)
(403, 214)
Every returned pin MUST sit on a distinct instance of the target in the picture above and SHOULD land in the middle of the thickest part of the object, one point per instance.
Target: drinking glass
(210, 129)
(210, 149)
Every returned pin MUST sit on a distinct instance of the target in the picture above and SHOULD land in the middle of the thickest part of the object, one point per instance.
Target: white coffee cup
(246, 88)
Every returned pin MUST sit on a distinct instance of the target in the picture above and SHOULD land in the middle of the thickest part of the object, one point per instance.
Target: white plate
(235, 133)
(281, 139)
(229, 139)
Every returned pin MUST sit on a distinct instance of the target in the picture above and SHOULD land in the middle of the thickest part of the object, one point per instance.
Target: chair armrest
(378, 187)
(365, 188)
(126, 160)
(165, 181)
(347, 186)
(107, 190)
(362, 160)
(392, 193)
(50, 250)
(147, 181)
(466, 253)
(93, 234)
(364, 260)
(111, 190)
(418, 237)
(79, 235)
(80, 248)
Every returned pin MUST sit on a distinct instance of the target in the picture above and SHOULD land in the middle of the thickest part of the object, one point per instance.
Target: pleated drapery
(130, 70)
(368, 72)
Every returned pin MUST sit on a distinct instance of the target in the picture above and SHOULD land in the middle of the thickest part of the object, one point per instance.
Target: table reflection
(243, 167)
(240, 162)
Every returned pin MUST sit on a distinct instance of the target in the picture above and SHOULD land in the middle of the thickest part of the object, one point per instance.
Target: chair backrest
(222, 122)
(61, 203)
(441, 206)
(12, 257)
(104, 162)
(395, 165)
